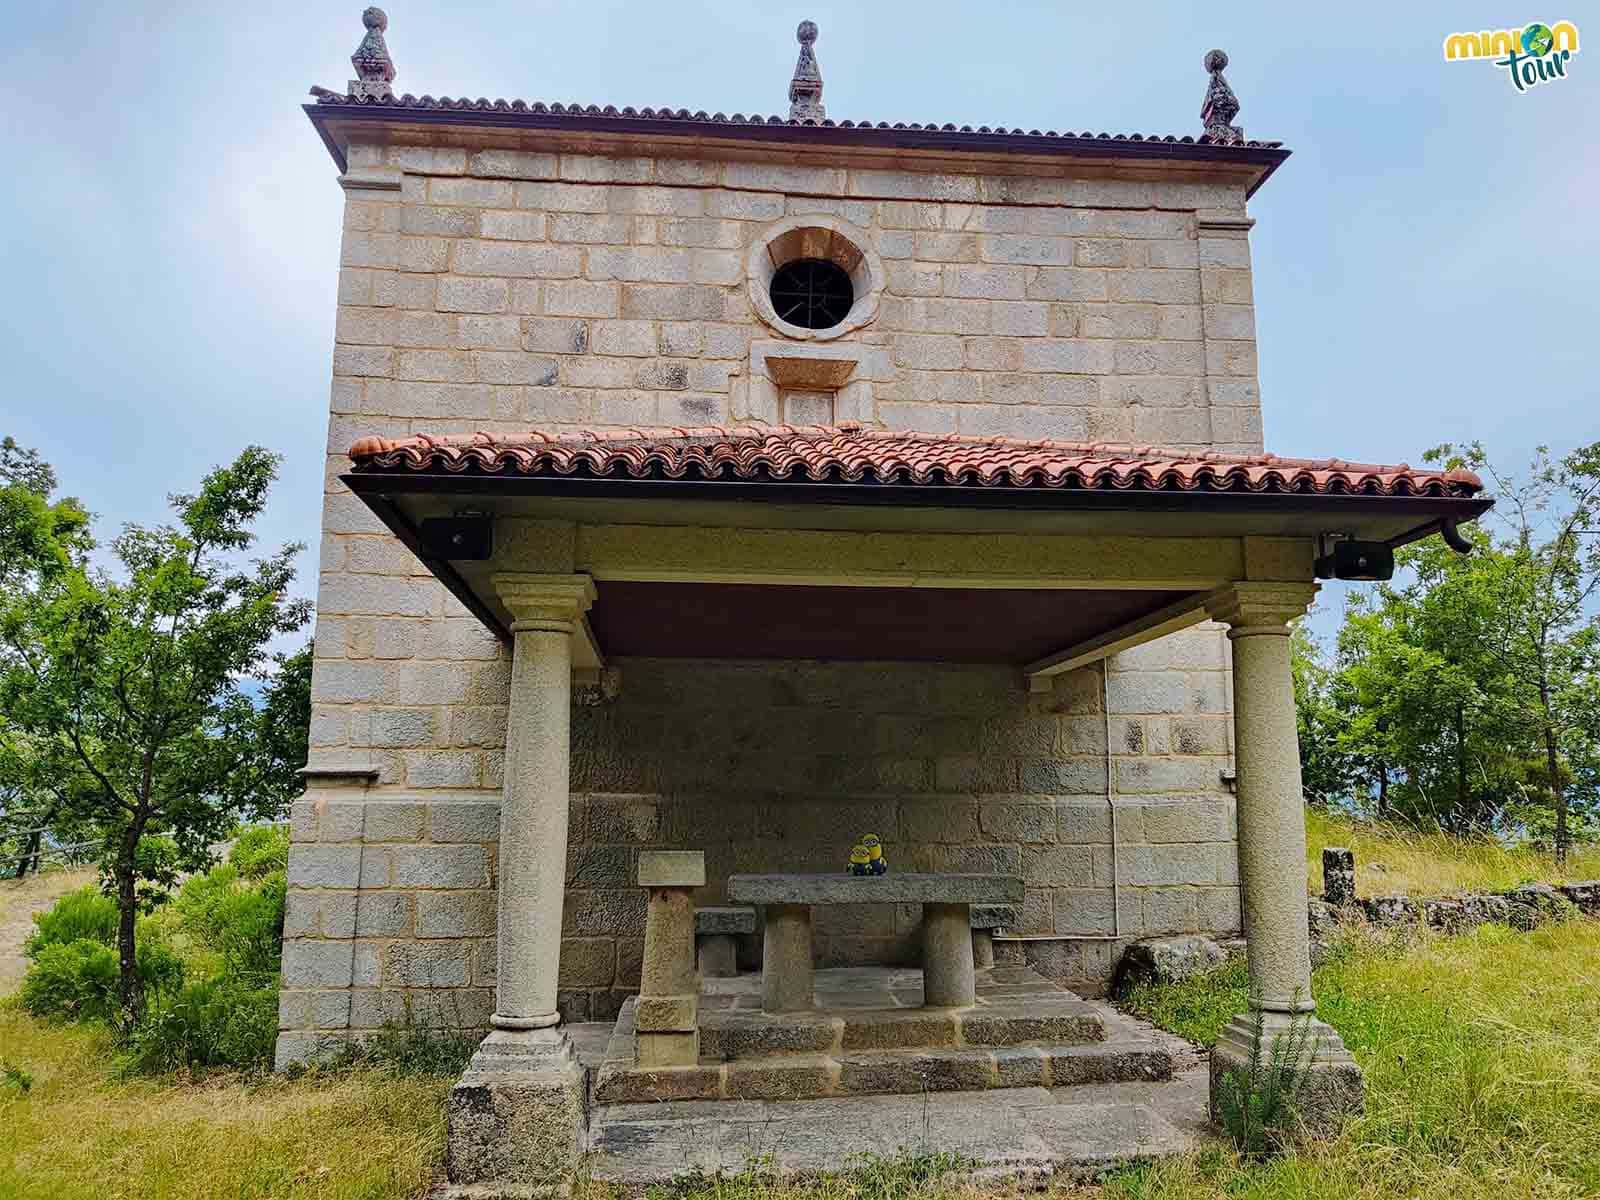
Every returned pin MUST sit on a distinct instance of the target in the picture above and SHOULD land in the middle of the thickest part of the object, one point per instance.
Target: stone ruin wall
(501, 290)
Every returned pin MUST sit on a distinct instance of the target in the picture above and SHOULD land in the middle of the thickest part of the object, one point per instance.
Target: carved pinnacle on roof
(805, 89)
(374, 67)
(1221, 105)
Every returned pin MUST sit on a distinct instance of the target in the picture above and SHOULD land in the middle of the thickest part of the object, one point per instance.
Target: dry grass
(19, 900)
(1392, 860)
(78, 1133)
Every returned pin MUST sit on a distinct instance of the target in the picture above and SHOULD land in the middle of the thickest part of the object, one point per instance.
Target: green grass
(1394, 860)
(1482, 1059)
(1482, 1055)
(79, 1133)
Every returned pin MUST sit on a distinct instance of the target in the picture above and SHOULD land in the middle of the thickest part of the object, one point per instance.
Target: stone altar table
(947, 900)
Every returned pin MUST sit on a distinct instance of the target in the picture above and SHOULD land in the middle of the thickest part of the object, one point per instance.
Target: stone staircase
(871, 1037)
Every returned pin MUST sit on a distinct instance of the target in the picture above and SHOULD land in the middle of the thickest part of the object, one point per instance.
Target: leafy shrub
(211, 1023)
(13, 1076)
(240, 922)
(259, 851)
(76, 916)
(1256, 1103)
(77, 980)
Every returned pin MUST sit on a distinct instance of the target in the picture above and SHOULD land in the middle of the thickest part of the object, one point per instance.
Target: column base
(1334, 1088)
(516, 1117)
(519, 1024)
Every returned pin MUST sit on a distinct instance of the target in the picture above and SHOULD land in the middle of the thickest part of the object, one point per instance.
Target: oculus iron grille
(812, 293)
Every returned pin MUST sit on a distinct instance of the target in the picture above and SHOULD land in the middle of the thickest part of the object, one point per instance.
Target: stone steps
(1031, 1134)
(1061, 1020)
(839, 1072)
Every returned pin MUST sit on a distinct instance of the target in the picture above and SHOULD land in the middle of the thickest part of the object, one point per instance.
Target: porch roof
(843, 542)
(831, 459)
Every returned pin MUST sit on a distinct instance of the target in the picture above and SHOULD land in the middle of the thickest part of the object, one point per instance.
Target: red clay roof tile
(850, 454)
(408, 103)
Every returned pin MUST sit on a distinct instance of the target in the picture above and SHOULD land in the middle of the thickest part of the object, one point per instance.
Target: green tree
(1328, 774)
(1540, 579)
(1467, 687)
(128, 690)
(41, 538)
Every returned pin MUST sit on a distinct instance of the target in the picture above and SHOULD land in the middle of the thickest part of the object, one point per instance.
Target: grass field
(1392, 860)
(1482, 1055)
(78, 1132)
(1483, 1072)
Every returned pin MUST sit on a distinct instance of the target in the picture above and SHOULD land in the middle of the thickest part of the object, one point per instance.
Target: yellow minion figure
(860, 861)
(877, 864)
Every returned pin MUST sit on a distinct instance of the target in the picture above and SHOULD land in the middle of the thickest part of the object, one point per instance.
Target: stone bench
(947, 901)
(716, 930)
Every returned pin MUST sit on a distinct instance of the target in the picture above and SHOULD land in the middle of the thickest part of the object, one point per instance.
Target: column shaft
(1272, 830)
(533, 826)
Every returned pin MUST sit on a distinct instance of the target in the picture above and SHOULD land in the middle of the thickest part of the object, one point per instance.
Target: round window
(813, 293)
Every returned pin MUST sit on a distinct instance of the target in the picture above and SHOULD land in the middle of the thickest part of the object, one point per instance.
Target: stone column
(525, 1076)
(716, 933)
(667, 1015)
(533, 807)
(1272, 853)
(947, 975)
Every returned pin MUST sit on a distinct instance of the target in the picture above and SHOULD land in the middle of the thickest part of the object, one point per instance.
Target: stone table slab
(894, 888)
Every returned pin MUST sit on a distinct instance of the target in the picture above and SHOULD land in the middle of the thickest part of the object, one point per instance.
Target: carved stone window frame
(814, 236)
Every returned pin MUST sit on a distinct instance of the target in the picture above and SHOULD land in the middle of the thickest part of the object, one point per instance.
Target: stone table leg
(786, 959)
(719, 955)
(983, 949)
(947, 976)
(668, 1007)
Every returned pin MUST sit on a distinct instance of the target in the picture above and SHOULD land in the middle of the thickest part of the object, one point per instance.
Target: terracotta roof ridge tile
(326, 97)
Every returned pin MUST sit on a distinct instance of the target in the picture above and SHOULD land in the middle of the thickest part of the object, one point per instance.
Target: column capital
(544, 601)
(1260, 607)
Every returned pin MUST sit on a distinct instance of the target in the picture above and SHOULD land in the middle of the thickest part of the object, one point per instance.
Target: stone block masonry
(780, 766)
(501, 289)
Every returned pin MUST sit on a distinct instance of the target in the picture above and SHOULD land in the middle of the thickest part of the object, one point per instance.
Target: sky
(1426, 264)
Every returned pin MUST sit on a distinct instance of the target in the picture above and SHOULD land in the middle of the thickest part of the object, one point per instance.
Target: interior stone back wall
(781, 767)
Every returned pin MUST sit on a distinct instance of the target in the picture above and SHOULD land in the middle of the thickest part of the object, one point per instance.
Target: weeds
(409, 1048)
(1256, 1102)
(13, 1076)
(903, 1176)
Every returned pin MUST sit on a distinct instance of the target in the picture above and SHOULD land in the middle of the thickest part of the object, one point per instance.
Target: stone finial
(374, 67)
(805, 89)
(1221, 105)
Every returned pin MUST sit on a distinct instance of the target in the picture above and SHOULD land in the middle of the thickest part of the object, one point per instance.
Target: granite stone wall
(781, 766)
(498, 289)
